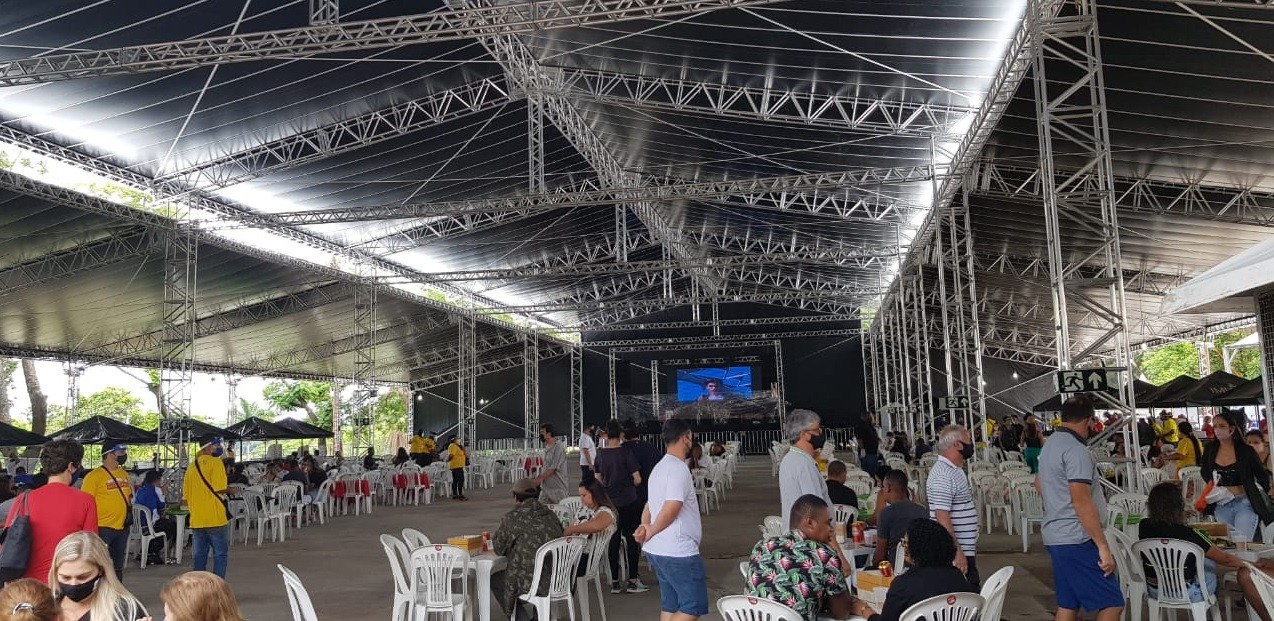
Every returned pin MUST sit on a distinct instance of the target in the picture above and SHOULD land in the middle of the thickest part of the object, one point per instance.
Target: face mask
(217, 452)
(122, 459)
(79, 592)
(1222, 434)
(966, 450)
(818, 441)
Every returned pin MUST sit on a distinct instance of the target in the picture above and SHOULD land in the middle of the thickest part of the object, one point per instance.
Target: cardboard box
(471, 543)
(869, 579)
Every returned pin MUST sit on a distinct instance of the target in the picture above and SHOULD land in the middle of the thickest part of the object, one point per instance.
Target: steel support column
(232, 399)
(780, 383)
(577, 392)
(363, 404)
(1071, 112)
(654, 389)
(1265, 328)
(614, 394)
(177, 355)
(953, 243)
(535, 144)
(73, 372)
(466, 385)
(531, 385)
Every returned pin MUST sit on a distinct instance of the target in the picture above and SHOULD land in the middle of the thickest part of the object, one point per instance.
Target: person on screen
(712, 391)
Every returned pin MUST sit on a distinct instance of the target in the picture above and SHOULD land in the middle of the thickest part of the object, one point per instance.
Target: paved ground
(345, 569)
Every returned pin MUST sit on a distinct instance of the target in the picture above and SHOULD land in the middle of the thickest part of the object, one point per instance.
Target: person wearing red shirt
(56, 509)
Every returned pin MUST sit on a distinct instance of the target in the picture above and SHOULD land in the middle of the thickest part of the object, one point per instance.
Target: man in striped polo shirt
(951, 498)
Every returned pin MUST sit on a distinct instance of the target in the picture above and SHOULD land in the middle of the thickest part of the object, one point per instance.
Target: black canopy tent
(199, 429)
(1153, 398)
(1197, 392)
(15, 436)
(303, 430)
(253, 428)
(1251, 392)
(99, 429)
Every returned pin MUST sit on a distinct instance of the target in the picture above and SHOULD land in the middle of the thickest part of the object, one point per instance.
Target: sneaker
(616, 587)
(637, 586)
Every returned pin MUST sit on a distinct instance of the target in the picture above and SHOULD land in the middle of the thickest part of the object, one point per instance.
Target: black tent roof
(1197, 392)
(200, 429)
(1153, 398)
(1054, 403)
(253, 428)
(15, 436)
(1251, 392)
(302, 429)
(99, 429)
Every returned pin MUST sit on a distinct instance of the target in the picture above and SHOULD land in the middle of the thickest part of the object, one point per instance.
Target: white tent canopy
(1228, 287)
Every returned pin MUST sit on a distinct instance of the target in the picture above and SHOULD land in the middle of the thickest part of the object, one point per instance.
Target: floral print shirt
(795, 571)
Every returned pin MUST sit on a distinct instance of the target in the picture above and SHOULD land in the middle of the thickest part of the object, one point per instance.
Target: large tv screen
(709, 384)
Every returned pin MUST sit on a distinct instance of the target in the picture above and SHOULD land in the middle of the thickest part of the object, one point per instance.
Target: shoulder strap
(209, 485)
(128, 506)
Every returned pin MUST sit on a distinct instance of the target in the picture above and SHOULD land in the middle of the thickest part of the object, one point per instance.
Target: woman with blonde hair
(27, 600)
(199, 596)
(84, 583)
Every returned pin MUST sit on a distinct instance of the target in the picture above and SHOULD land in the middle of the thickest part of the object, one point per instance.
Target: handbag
(16, 537)
(128, 506)
(225, 505)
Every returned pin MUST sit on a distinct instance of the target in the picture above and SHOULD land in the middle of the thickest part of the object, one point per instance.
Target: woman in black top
(930, 552)
(401, 457)
(1240, 471)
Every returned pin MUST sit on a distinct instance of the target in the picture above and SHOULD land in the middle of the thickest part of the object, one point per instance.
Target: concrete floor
(346, 572)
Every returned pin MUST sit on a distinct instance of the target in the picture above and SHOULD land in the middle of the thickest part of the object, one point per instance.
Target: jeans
(871, 463)
(116, 541)
(1196, 592)
(1239, 515)
(218, 539)
(586, 475)
(457, 482)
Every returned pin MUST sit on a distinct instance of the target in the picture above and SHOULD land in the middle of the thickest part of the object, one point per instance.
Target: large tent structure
(424, 193)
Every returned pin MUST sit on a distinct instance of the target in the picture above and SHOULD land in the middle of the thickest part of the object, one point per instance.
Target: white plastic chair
(143, 531)
(399, 557)
(429, 576)
(1168, 559)
(843, 514)
(1133, 505)
(772, 526)
(265, 517)
(289, 499)
(564, 554)
(747, 608)
(375, 487)
(949, 607)
(573, 504)
(1030, 509)
(1264, 586)
(598, 557)
(415, 539)
(298, 597)
(1132, 577)
(1151, 477)
(860, 486)
(993, 592)
(996, 494)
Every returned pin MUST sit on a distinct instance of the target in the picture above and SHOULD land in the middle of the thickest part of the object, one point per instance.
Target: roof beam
(751, 322)
(225, 320)
(443, 25)
(117, 247)
(282, 361)
(801, 107)
(664, 304)
(710, 341)
(328, 140)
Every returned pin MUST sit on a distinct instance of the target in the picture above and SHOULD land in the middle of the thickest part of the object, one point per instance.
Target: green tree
(1166, 362)
(313, 397)
(248, 409)
(390, 413)
(1247, 362)
(119, 404)
(8, 368)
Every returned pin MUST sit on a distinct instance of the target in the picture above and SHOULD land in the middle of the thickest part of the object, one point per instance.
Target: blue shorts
(1078, 580)
(683, 583)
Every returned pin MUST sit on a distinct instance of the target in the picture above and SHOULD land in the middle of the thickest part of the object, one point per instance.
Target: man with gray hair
(951, 498)
(798, 472)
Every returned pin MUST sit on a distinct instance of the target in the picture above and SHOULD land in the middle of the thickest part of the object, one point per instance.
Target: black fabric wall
(502, 416)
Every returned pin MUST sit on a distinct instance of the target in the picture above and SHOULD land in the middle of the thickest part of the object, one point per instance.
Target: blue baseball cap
(112, 447)
(211, 441)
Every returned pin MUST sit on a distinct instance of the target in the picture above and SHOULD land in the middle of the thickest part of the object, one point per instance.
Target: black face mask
(966, 450)
(818, 441)
(122, 459)
(79, 592)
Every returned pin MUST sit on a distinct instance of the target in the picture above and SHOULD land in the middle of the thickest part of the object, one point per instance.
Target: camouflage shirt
(522, 531)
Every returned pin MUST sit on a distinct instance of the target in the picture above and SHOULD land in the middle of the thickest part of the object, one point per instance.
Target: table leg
(181, 537)
(484, 591)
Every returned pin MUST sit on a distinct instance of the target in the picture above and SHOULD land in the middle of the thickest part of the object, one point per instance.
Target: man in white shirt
(798, 472)
(670, 530)
(587, 451)
(951, 498)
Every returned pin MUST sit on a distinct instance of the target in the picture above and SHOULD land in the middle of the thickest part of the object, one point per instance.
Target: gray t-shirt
(798, 476)
(894, 521)
(554, 487)
(1065, 459)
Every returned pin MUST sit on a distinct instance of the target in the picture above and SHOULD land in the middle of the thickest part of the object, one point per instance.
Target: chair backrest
(298, 597)
(398, 558)
(143, 520)
(431, 569)
(747, 608)
(1152, 476)
(1168, 559)
(571, 504)
(324, 490)
(563, 553)
(993, 591)
(286, 495)
(949, 607)
(1128, 565)
(1029, 501)
(599, 550)
(415, 539)
(1133, 504)
(861, 488)
(774, 525)
(843, 514)
(1264, 585)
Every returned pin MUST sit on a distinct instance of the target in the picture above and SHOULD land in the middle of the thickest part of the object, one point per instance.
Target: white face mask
(1223, 434)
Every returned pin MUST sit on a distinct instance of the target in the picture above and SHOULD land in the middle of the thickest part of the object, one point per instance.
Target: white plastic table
(483, 566)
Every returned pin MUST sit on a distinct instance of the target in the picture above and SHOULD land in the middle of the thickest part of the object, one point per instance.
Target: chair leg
(581, 591)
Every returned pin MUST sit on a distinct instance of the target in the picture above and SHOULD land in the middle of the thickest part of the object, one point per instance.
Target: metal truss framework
(116, 247)
(335, 138)
(530, 385)
(720, 323)
(958, 299)
(451, 25)
(360, 408)
(576, 354)
(818, 109)
(716, 341)
(835, 304)
(177, 356)
(466, 381)
(324, 12)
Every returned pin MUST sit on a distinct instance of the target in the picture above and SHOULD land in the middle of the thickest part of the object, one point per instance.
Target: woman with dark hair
(1166, 519)
(599, 513)
(1033, 442)
(930, 553)
(1239, 471)
(1188, 449)
(1254, 439)
(401, 457)
(151, 496)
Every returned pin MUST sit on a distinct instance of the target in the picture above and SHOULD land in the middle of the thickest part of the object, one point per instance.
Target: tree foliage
(315, 398)
(1166, 362)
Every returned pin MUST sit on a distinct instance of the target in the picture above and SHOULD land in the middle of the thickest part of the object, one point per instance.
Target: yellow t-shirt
(455, 456)
(1168, 431)
(430, 445)
(1185, 449)
(417, 445)
(206, 508)
(111, 506)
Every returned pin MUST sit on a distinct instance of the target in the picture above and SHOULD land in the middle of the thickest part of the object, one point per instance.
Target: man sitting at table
(931, 555)
(837, 491)
(296, 474)
(522, 531)
(801, 569)
(895, 513)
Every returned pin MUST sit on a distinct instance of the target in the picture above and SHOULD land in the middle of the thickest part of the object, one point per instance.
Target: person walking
(647, 455)
(552, 479)
(798, 472)
(587, 451)
(457, 459)
(670, 530)
(55, 509)
(113, 493)
(1074, 504)
(617, 469)
(204, 489)
(951, 498)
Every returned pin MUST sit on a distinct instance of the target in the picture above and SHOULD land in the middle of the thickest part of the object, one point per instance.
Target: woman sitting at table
(930, 552)
(151, 496)
(599, 514)
(271, 474)
(1239, 471)
(1166, 519)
